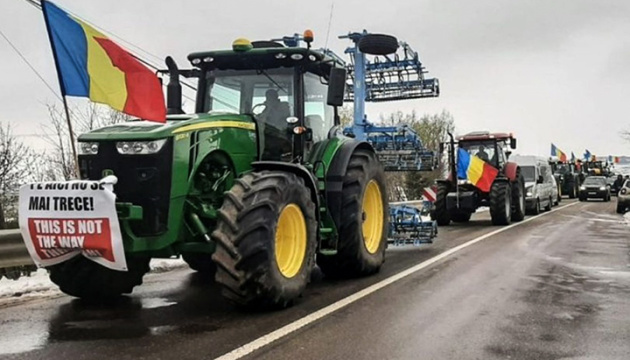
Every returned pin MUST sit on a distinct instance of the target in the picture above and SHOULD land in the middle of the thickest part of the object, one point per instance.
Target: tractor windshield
(251, 91)
(562, 169)
(485, 150)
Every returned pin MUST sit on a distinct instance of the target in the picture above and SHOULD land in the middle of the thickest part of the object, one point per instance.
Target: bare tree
(433, 130)
(58, 163)
(15, 169)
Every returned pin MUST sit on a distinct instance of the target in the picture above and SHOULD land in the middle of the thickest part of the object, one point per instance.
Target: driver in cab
(275, 114)
(482, 154)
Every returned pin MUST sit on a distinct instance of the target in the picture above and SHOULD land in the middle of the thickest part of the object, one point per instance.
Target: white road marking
(265, 340)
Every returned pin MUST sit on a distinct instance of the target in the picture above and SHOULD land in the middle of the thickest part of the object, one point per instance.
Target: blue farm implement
(407, 226)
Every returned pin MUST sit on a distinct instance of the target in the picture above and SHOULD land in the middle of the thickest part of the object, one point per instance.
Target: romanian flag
(478, 172)
(557, 153)
(91, 65)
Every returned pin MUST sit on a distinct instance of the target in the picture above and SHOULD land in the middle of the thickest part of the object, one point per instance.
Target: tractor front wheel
(266, 238)
(90, 281)
(501, 203)
(441, 213)
(363, 221)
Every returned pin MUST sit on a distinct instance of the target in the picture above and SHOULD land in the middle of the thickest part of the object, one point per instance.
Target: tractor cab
(286, 90)
(492, 148)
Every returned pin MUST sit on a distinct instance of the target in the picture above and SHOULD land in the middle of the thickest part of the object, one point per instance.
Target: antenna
(332, 7)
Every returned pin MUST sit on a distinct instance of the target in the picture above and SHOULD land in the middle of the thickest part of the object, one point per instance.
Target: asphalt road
(554, 287)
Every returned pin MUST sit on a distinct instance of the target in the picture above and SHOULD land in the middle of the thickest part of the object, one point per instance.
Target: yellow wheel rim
(372, 217)
(290, 240)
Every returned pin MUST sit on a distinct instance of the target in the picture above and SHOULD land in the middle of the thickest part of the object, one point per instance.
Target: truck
(458, 199)
(255, 187)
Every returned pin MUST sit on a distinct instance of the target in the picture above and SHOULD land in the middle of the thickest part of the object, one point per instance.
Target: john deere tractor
(255, 187)
(457, 199)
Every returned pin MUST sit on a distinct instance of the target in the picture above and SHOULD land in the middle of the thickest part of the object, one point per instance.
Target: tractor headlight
(602, 188)
(88, 148)
(139, 147)
(582, 187)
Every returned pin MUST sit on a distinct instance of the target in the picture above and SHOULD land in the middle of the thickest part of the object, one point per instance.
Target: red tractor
(458, 199)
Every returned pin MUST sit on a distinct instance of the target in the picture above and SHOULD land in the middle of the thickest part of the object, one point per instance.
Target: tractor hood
(175, 124)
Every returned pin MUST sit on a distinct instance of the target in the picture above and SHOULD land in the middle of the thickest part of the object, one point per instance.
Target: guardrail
(13, 252)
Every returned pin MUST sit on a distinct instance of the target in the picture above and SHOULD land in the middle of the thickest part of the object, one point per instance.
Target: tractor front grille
(143, 180)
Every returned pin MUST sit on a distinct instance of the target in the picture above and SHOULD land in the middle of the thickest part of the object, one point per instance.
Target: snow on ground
(38, 285)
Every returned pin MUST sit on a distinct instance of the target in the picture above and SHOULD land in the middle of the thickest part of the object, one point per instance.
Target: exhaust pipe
(173, 89)
(451, 155)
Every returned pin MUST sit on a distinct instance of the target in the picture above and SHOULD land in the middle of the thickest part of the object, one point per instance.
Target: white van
(539, 182)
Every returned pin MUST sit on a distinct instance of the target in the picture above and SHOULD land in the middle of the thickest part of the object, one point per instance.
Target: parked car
(539, 183)
(623, 198)
(595, 187)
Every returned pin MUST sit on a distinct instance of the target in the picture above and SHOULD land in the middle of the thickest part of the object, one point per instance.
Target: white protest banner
(60, 220)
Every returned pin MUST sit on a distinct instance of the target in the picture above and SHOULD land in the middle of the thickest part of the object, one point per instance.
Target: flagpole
(75, 158)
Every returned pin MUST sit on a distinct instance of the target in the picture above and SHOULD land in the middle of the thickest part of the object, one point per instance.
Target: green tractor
(255, 188)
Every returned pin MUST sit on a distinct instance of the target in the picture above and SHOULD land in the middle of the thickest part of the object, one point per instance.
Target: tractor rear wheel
(266, 238)
(441, 213)
(501, 203)
(90, 281)
(460, 216)
(378, 44)
(200, 262)
(364, 220)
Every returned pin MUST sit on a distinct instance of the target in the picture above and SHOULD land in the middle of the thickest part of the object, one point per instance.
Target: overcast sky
(547, 70)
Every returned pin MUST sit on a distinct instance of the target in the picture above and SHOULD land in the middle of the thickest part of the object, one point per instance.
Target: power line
(30, 65)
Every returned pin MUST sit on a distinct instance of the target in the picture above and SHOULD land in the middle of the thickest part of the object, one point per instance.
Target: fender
(296, 169)
(511, 170)
(335, 174)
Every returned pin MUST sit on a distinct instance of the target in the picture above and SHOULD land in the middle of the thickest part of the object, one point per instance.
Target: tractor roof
(264, 58)
(485, 135)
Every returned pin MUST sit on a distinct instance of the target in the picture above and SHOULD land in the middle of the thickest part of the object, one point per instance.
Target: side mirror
(507, 154)
(336, 86)
(513, 143)
(540, 179)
